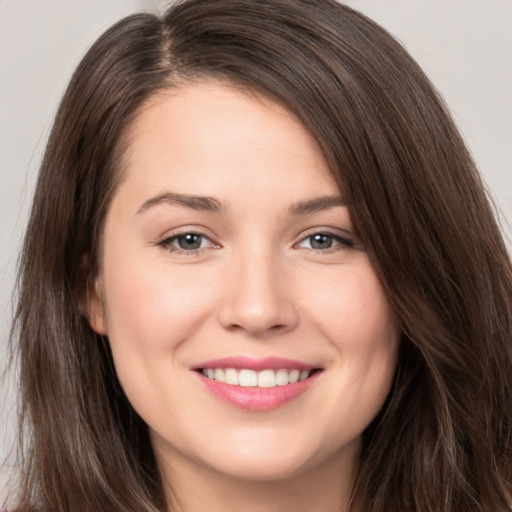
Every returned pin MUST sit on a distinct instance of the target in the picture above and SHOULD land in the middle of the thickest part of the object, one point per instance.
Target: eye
(324, 242)
(187, 242)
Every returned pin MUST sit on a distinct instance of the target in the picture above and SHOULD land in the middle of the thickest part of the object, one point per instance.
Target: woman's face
(230, 257)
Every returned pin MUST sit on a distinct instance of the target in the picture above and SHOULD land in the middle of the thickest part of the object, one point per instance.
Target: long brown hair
(443, 439)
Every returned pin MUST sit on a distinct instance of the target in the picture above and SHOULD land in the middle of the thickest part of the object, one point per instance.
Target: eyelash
(167, 243)
(341, 242)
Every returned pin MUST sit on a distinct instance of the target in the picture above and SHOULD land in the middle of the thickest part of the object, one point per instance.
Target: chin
(277, 460)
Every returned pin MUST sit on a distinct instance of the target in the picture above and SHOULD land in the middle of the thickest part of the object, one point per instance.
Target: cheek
(156, 307)
(150, 316)
(360, 324)
(353, 311)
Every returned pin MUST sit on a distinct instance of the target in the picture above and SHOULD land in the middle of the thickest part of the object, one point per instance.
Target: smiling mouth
(268, 378)
(257, 384)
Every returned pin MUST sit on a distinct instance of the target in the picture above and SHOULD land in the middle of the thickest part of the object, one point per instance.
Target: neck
(324, 488)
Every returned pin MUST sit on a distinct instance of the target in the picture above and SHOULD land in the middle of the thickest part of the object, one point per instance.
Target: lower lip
(258, 399)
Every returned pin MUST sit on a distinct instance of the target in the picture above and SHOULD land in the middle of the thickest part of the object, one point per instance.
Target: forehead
(205, 136)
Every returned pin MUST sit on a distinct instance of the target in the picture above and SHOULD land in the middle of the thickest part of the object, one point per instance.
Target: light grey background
(463, 45)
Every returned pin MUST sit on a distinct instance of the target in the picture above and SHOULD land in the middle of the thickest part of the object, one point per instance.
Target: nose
(257, 297)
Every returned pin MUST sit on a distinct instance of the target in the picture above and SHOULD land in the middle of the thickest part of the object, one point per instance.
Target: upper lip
(256, 364)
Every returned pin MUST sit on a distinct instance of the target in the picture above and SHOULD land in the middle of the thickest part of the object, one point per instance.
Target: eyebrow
(210, 204)
(201, 203)
(316, 205)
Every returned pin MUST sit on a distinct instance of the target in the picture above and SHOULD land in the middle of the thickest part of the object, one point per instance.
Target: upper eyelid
(325, 230)
(167, 244)
(185, 230)
(342, 240)
(168, 239)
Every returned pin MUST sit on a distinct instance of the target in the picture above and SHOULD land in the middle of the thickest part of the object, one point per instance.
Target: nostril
(278, 327)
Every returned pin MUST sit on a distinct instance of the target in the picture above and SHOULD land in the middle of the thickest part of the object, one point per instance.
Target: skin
(256, 287)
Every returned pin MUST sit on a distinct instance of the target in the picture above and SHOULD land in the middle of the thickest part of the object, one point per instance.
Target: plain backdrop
(463, 45)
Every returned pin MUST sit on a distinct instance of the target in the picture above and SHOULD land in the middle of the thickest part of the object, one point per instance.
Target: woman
(261, 272)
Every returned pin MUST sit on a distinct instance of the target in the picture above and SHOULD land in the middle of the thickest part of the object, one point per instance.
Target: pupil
(190, 241)
(321, 242)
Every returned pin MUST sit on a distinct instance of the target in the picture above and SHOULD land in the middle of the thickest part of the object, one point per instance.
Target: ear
(94, 307)
(91, 302)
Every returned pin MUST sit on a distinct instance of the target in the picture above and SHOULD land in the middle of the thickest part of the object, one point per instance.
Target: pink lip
(265, 363)
(257, 399)
(254, 398)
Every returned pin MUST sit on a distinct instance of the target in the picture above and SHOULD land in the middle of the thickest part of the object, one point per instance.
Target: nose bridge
(257, 297)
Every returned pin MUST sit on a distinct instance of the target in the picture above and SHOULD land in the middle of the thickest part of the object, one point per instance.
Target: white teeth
(266, 379)
(251, 378)
(231, 377)
(282, 378)
(304, 374)
(247, 378)
(294, 376)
